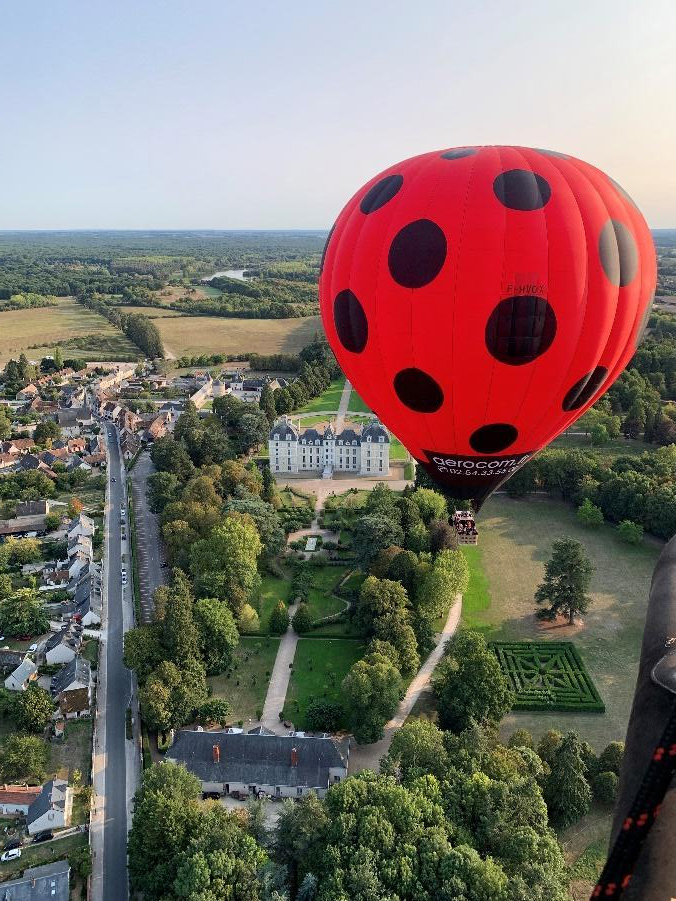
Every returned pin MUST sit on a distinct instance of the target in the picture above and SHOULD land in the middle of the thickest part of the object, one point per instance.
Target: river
(228, 273)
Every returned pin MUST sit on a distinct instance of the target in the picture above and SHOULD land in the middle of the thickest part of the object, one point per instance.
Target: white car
(33, 648)
(14, 854)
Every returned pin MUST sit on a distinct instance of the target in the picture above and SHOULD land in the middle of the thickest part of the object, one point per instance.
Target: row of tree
(140, 329)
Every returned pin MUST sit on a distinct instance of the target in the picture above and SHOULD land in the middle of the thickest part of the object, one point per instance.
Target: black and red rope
(643, 812)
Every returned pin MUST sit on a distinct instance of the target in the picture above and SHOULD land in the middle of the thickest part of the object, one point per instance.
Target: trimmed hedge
(547, 675)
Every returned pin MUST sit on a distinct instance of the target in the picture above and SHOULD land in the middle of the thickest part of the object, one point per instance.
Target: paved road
(367, 757)
(112, 787)
(148, 538)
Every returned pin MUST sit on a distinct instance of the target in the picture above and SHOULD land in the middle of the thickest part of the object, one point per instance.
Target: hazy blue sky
(215, 114)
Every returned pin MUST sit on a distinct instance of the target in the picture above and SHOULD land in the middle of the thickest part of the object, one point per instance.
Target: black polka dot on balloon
(491, 439)
(326, 247)
(417, 254)
(521, 189)
(622, 191)
(418, 391)
(584, 389)
(350, 321)
(379, 194)
(618, 253)
(520, 329)
(457, 153)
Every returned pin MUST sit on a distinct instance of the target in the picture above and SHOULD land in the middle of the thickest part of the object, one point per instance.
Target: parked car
(113, 479)
(44, 836)
(12, 843)
(14, 854)
(210, 796)
(33, 648)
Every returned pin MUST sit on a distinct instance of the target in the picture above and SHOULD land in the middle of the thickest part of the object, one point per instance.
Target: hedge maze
(547, 675)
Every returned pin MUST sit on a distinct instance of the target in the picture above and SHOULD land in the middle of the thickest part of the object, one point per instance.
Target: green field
(620, 447)
(515, 540)
(195, 335)
(321, 601)
(254, 660)
(328, 400)
(38, 331)
(357, 405)
(477, 598)
(319, 667)
(273, 589)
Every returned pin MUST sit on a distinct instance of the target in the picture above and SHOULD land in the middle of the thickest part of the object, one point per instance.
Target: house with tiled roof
(27, 393)
(278, 765)
(362, 450)
(17, 798)
(71, 686)
(51, 809)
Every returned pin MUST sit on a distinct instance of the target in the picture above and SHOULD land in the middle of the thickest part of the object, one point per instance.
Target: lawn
(477, 598)
(48, 852)
(194, 335)
(37, 331)
(319, 667)
(90, 651)
(328, 400)
(515, 540)
(620, 447)
(273, 589)
(321, 600)
(356, 404)
(245, 688)
(73, 753)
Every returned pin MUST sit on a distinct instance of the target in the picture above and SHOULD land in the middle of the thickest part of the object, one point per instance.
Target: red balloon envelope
(480, 299)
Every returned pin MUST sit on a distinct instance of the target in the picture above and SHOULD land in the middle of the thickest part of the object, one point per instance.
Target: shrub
(630, 532)
(279, 619)
(604, 786)
(589, 514)
(520, 739)
(302, 621)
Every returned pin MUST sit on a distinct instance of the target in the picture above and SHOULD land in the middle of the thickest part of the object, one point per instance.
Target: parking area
(148, 538)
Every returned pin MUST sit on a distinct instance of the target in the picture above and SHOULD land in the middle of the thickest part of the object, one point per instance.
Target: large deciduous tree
(23, 613)
(469, 684)
(371, 692)
(224, 564)
(567, 577)
(218, 635)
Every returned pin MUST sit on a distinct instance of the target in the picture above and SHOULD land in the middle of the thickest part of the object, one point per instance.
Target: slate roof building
(279, 765)
(51, 809)
(25, 673)
(50, 882)
(364, 451)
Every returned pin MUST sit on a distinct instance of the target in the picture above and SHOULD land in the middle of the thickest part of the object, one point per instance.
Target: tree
(248, 621)
(548, 745)
(298, 830)
(252, 430)
(52, 521)
(224, 564)
(6, 586)
(371, 534)
(214, 712)
(142, 649)
(302, 620)
(179, 538)
(431, 505)
(180, 636)
(605, 787)
(171, 456)
(162, 490)
(610, 758)
(324, 716)
(447, 578)
(267, 404)
(417, 749)
(395, 629)
(265, 517)
(567, 791)
(218, 635)
(75, 507)
(171, 695)
(279, 619)
(235, 476)
(589, 514)
(34, 709)
(23, 758)
(630, 532)
(567, 577)
(5, 424)
(469, 684)
(23, 614)
(46, 432)
(371, 692)
(378, 598)
(23, 550)
(599, 435)
(443, 536)
(520, 738)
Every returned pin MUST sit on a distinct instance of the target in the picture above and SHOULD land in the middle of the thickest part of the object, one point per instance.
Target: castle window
(276, 437)
(381, 439)
(369, 438)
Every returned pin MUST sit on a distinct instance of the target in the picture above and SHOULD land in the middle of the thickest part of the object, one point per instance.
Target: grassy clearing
(319, 667)
(36, 855)
(477, 598)
(515, 541)
(356, 404)
(327, 400)
(585, 846)
(151, 312)
(321, 600)
(73, 753)
(90, 651)
(273, 590)
(254, 660)
(37, 331)
(620, 447)
(194, 335)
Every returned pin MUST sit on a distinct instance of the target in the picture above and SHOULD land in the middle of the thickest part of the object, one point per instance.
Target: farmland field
(38, 330)
(191, 335)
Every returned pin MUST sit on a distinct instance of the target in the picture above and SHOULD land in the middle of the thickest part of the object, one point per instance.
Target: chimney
(294, 757)
(216, 753)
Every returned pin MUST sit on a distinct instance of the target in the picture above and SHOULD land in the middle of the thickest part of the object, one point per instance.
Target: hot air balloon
(480, 299)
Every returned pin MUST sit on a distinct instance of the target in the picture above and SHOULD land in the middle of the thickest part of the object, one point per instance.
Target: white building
(22, 676)
(365, 451)
(51, 809)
